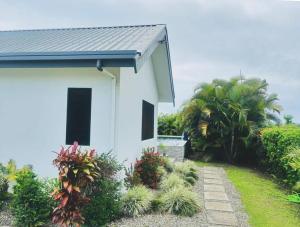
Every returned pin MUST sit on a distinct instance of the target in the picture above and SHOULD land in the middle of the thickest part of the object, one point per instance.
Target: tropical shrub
(148, 168)
(168, 164)
(281, 152)
(3, 190)
(186, 169)
(3, 186)
(77, 171)
(224, 117)
(132, 177)
(171, 181)
(169, 124)
(105, 195)
(180, 201)
(137, 201)
(30, 205)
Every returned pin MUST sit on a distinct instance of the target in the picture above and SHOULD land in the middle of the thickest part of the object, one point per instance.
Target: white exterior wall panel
(132, 89)
(33, 107)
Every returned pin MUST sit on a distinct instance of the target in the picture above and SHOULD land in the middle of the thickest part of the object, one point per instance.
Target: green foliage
(30, 205)
(105, 204)
(3, 187)
(295, 198)
(224, 117)
(180, 201)
(288, 119)
(281, 152)
(171, 181)
(169, 124)
(10, 170)
(132, 177)
(185, 168)
(137, 201)
(3, 190)
(168, 164)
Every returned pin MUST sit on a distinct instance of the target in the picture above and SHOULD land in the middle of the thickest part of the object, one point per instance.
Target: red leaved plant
(147, 168)
(77, 170)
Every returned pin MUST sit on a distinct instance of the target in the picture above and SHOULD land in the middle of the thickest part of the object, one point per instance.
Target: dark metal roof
(105, 40)
(120, 46)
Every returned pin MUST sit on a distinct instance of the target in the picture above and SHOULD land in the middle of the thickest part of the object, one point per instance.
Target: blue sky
(208, 38)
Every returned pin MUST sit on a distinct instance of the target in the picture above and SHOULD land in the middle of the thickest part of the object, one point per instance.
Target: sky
(208, 38)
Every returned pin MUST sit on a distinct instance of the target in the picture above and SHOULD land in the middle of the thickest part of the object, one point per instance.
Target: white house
(99, 86)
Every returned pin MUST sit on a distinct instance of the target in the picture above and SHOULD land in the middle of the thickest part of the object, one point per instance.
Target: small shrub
(168, 164)
(147, 168)
(3, 186)
(180, 201)
(190, 180)
(105, 195)
(171, 181)
(77, 170)
(3, 190)
(136, 201)
(105, 204)
(30, 205)
(132, 178)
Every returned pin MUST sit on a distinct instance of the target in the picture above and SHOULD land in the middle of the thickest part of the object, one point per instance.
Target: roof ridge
(82, 28)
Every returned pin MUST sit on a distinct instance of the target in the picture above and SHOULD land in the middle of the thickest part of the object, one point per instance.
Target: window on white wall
(79, 116)
(147, 120)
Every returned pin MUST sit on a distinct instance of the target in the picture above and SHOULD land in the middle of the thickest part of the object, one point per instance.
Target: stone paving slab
(212, 181)
(219, 206)
(213, 188)
(211, 176)
(222, 218)
(222, 196)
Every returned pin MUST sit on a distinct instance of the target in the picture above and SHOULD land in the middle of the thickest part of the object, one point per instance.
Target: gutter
(113, 106)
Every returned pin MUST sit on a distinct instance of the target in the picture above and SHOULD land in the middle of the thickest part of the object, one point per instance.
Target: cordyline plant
(77, 170)
(147, 168)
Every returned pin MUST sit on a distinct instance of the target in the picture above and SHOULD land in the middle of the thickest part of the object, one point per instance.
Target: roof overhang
(158, 49)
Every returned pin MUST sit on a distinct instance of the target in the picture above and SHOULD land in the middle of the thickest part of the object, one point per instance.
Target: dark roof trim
(110, 58)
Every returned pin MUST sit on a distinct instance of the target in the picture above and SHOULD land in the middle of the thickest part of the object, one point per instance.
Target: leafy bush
(171, 181)
(30, 205)
(137, 201)
(223, 117)
(147, 168)
(105, 203)
(180, 201)
(169, 124)
(168, 164)
(3, 186)
(132, 177)
(3, 190)
(281, 155)
(77, 170)
(186, 169)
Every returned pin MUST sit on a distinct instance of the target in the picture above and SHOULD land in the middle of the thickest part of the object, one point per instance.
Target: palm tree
(226, 115)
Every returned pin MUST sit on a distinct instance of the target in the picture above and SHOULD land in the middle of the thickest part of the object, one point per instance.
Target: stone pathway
(221, 201)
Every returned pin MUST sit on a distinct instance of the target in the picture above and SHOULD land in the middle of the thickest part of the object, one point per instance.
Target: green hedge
(279, 142)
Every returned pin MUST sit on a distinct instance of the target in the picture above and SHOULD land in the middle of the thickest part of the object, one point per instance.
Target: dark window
(147, 121)
(79, 116)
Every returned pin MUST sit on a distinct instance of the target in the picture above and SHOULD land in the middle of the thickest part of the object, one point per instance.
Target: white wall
(132, 89)
(33, 104)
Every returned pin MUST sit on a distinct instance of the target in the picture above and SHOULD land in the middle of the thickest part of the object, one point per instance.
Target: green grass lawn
(264, 200)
